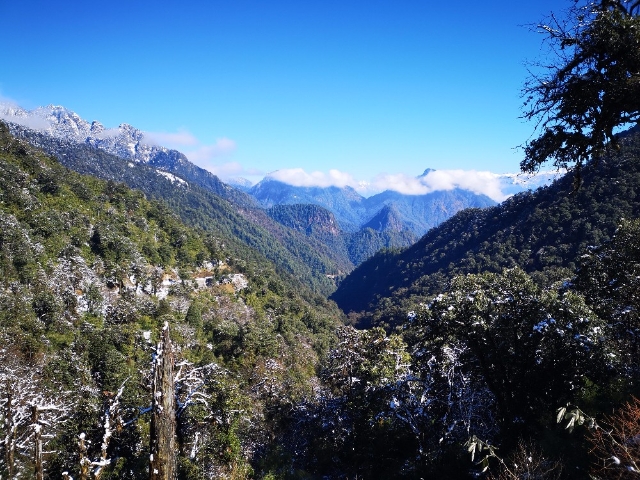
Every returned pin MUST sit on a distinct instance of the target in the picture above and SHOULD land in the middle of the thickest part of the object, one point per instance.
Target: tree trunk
(85, 463)
(37, 455)
(10, 441)
(162, 460)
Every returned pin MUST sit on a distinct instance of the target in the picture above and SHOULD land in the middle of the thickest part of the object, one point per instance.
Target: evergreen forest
(154, 328)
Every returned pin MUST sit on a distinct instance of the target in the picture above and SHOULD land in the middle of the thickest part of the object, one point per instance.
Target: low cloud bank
(299, 178)
(11, 112)
(486, 183)
(480, 182)
(204, 153)
(212, 157)
(187, 143)
(175, 140)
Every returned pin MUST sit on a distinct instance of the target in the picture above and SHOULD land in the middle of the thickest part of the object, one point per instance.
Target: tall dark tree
(590, 88)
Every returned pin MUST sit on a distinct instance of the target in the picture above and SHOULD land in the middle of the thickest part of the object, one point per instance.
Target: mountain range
(484, 317)
(413, 213)
(386, 220)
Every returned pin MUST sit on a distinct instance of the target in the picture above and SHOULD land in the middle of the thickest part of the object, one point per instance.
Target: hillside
(344, 203)
(544, 232)
(90, 271)
(420, 213)
(126, 154)
(225, 211)
(125, 142)
(383, 231)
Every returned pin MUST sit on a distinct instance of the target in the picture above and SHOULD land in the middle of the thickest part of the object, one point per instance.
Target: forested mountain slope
(213, 206)
(319, 224)
(125, 141)
(541, 232)
(267, 383)
(90, 271)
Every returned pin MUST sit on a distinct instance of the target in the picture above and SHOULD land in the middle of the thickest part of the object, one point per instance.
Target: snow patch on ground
(172, 178)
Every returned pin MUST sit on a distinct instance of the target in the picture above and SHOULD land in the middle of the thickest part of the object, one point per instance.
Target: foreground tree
(609, 279)
(534, 348)
(591, 88)
(33, 411)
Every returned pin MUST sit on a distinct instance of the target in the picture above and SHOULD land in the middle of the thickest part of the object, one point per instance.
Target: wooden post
(162, 459)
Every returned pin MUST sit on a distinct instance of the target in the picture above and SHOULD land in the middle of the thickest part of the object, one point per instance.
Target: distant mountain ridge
(413, 213)
(345, 203)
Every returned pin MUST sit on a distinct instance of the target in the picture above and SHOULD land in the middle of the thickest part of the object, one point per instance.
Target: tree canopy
(591, 87)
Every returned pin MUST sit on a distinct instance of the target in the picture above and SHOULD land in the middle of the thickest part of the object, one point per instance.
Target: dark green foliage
(267, 386)
(590, 89)
(608, 278)
(320, 225)
(194, 316)
(532, 347)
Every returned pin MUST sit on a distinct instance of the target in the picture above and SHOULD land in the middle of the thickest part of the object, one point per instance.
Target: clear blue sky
(363, 87)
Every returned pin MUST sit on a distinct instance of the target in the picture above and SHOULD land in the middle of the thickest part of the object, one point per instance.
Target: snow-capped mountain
(125, 141)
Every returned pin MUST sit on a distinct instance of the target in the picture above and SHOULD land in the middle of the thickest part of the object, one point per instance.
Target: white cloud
(480, 182)
(34, 123)
(225, 170)
(399, 182)
(12, 112)
(7, 101)
(196, 151)
(107, 133)
(299, 178)
(203, 154)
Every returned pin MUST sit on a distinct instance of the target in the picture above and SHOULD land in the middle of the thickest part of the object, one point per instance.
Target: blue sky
(336, 91)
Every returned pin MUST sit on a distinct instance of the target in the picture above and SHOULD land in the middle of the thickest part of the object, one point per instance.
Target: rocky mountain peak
(125, 141)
